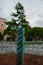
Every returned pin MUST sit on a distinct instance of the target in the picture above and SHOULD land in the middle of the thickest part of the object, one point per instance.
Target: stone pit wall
(10, 59)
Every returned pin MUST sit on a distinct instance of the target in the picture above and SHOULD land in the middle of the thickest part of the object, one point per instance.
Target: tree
(10, 30)
(41, 34)
(27, 29)
(35, 33)
(19, 15)
(20, 18)
(1, 36)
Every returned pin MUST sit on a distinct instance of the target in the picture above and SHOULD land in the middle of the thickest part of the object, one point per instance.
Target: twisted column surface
(20, 46)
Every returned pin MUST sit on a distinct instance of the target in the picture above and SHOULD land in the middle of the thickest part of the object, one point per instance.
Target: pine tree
(19, 16)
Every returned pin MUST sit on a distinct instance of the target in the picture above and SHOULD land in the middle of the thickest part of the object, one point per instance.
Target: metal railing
(7, 47)
(36, 49)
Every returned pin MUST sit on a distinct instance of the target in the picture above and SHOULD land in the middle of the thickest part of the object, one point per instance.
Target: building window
(2, 24)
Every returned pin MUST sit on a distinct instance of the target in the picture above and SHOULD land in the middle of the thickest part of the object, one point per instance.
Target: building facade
(2, 25)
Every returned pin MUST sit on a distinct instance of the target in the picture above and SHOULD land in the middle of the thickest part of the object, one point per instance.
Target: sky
(33, 10)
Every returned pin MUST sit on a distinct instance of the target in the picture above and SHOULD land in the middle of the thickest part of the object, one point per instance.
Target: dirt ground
(10, 59)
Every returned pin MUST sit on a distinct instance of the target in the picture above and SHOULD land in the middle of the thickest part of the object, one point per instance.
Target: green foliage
(20, 18)
(20, 15)
(35, 33)
(27, 29)
(1, 36)
(10, 30)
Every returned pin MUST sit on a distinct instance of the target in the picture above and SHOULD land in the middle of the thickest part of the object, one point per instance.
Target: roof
(3, 18)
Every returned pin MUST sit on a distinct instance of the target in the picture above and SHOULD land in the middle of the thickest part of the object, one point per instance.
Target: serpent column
(20, 47)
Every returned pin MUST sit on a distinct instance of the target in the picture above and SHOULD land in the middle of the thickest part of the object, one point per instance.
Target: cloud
(41, 0)
(40, 15)
(39, 23)
(33, 10)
